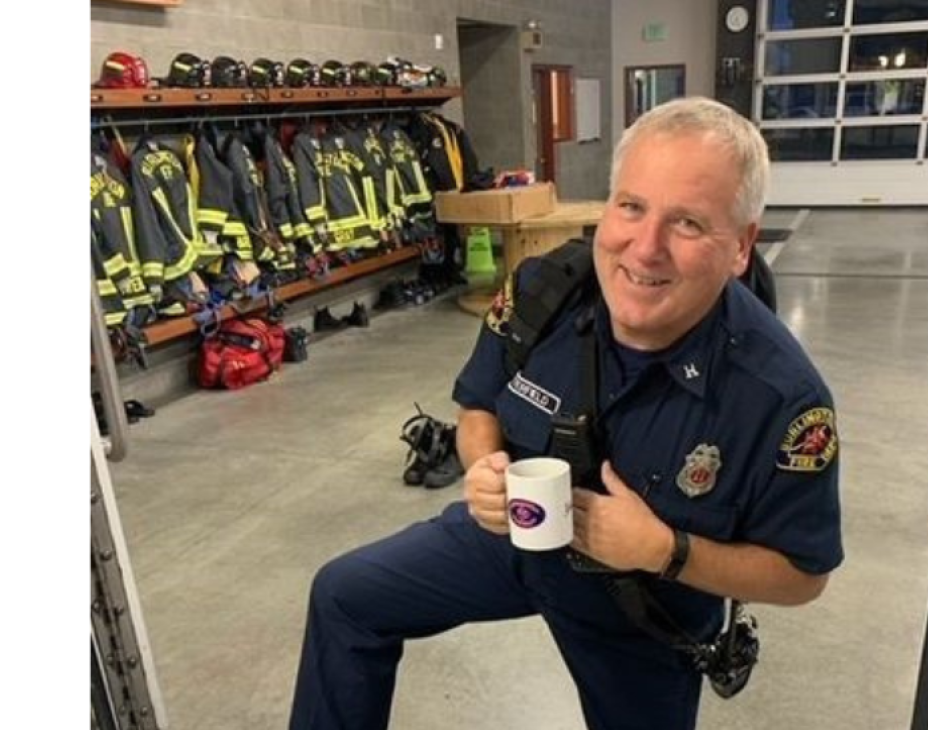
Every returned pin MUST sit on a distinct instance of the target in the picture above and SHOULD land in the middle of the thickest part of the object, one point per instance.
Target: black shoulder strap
(758, 277)
(561, 275)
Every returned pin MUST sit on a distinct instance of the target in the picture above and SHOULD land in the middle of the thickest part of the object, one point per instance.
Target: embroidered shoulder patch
(497, 317)
(810, 443)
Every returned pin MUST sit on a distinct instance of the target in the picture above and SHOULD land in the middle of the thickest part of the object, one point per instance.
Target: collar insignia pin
(690, 371)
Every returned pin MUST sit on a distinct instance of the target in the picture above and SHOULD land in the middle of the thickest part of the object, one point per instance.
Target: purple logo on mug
(526, 514)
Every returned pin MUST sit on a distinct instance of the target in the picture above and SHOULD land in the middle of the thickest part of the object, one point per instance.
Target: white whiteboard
(587, 110)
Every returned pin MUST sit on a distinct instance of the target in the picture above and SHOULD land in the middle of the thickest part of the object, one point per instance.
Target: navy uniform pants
(439, 574)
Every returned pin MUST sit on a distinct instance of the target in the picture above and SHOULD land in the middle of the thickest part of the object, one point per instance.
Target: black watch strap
(679, 556)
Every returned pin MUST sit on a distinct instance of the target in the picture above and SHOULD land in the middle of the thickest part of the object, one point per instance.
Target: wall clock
(737, 18)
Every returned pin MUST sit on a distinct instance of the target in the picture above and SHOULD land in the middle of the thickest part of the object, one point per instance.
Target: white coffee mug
(538, 502)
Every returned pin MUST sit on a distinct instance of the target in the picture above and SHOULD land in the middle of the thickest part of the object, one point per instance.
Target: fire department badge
(497, 317)
(810, 443)
(697, 477)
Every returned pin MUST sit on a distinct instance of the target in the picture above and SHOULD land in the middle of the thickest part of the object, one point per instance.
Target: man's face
(667, 242)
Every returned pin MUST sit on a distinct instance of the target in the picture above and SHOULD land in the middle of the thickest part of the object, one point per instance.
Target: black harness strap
(629, 590)
(589, 367)
(646, 613)
(561, 276)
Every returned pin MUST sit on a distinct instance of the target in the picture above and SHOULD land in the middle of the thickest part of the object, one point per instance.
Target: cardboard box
(488, 207)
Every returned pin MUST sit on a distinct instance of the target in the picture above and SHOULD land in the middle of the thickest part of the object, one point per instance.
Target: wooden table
(535, 236)
(531, 237)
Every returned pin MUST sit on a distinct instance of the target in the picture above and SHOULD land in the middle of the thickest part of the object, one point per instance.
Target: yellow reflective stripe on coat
(186, 261)
(234, 228)
(193, 170)
(114, 318)
(153, 272)
(115, 265)
(212, 218)
(107, 288)
(452, 152)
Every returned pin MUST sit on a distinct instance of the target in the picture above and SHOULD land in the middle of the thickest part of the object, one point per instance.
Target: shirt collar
(687, 361)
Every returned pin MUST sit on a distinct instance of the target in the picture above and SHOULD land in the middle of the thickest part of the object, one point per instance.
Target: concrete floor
(231, 501)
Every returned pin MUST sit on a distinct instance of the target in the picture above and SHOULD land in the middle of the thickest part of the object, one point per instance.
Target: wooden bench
(170, 329)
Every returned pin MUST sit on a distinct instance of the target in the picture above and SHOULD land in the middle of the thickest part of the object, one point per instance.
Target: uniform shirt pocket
(715, 520)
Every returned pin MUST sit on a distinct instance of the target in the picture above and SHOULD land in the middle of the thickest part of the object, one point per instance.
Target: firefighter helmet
(226, 72)
(123, 70)
(188, 71)
(410, 75)
(385, 74)
(362, 73)
(301, 72)
(437, 76)
(265, 72)
(332, 73)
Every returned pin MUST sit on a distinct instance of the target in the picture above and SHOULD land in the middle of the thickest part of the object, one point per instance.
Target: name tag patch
(535, 394)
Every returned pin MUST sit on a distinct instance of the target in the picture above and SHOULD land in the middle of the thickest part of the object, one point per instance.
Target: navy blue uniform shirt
(729, 434)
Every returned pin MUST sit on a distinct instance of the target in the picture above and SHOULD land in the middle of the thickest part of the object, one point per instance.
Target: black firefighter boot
(325, 321)
(446, 468)
(358, 316)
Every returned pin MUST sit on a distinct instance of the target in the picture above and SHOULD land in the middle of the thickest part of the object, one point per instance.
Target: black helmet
(362, 73)
(301, 72)
(436, 76)
(226, 72)
(265, 72)
(385, 74)
(189, 71)
(332, 73)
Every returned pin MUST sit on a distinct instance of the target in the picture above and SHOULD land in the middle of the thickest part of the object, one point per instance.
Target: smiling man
(715, 434)
(670, 239)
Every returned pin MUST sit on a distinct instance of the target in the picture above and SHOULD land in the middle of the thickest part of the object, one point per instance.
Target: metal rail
(118, 634)
(109, 121)
(124, 690)
(920, 714)
(115, 445)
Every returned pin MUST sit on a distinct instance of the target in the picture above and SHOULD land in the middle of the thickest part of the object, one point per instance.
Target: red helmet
(123, 71)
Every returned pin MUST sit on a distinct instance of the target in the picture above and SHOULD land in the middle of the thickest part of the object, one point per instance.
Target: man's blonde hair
(698, 114)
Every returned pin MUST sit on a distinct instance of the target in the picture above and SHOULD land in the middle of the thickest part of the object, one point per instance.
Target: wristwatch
(679, 556)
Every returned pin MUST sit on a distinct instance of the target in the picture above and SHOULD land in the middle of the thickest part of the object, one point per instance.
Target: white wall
(690, 40)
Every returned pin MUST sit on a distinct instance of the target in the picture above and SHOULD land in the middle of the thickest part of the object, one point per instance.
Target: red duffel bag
(240, 352)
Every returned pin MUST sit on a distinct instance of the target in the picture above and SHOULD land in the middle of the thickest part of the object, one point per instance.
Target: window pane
(893, 96)
(818, 55)
(794, 14)
(879, 143)
(800, 101)
(795, 145)
(889, 11)
(890, 51)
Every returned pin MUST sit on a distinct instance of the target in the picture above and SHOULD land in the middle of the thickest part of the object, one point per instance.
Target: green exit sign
(655, 32)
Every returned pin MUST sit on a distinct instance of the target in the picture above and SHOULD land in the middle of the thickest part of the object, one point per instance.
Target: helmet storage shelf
(152, 3)
(102, 100)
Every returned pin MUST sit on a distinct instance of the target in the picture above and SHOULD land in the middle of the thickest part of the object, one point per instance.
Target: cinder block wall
(576, 33)
(491, 75)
